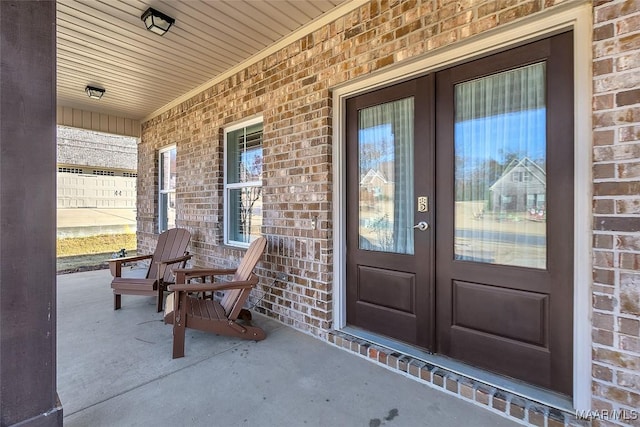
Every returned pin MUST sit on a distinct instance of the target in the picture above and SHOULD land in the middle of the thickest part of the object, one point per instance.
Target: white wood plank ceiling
(104, 43)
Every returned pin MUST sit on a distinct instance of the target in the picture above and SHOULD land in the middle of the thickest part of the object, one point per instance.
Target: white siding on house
(94, 191)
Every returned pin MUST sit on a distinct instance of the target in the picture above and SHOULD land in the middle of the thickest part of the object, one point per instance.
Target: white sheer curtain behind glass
(500, 168)
(385, 156)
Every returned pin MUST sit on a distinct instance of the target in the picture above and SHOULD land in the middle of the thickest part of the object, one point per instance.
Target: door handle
(422, 226)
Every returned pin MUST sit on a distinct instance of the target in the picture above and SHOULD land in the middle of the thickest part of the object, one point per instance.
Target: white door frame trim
(576, 15)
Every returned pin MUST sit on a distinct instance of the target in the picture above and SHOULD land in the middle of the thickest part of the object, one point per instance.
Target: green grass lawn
(105, 243)
(92, 252)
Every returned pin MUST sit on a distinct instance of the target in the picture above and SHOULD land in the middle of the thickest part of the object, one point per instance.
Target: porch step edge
(494, 399)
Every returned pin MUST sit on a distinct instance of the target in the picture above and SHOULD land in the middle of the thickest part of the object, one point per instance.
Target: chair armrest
(184, 274)
(175, 260)
(115, 264)
(130, 258)
(208, 287)
(162, 265)
(204, 271)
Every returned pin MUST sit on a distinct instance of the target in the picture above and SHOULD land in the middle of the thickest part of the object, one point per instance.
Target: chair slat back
(243, 272)
(171, 244)
(236, 305)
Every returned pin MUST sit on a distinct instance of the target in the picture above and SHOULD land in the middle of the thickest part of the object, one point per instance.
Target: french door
(460, 212)
(390, 174)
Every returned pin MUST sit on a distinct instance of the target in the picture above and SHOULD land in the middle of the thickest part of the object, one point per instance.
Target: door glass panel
(500, 169)
(385, 158)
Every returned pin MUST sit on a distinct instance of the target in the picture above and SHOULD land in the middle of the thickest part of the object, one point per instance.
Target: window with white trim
(167, 188)
(243, 183)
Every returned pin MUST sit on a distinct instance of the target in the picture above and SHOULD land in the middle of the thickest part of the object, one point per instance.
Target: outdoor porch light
(94, 92)
(157, 22)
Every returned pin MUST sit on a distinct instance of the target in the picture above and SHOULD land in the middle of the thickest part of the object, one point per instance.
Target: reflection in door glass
(500, 169)
(385, 158)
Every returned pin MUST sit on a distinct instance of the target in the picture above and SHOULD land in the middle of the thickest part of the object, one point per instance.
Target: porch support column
(28, 214)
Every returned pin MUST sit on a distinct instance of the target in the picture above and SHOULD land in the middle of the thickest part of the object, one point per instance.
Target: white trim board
(575, 15)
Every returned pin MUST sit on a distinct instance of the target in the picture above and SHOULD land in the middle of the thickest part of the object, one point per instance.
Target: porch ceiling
(105, 44)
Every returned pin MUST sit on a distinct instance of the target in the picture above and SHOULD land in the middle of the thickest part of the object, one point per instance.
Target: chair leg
(256, 333)
(160, 298)
(178, 339)
(116, 301)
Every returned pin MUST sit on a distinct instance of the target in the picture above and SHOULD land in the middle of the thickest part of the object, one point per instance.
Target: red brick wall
(616, 205)
(291, 90)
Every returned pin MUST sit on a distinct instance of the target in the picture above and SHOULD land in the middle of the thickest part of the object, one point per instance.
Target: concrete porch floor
(115, 369)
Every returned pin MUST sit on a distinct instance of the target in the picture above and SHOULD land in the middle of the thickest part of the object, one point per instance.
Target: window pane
(168, 170)
(500, 168)
(168, 207)
(385, 156)
(244, 154)
(167, 185)
(245, 214)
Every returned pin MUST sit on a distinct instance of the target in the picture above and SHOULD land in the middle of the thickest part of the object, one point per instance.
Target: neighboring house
(521, 187)
(373, 185)
(373, 179)
(96, 170)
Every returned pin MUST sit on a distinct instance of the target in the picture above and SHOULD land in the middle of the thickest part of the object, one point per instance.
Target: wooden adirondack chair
(170, 250)
(185, 310)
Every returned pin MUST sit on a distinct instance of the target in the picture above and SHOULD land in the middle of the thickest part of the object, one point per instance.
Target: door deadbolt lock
(422, 226)
(423, 204)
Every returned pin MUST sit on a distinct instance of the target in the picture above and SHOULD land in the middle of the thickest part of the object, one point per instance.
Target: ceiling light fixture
(94, 92)
(157, 22)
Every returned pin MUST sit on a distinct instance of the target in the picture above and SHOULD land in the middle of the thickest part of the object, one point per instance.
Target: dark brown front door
(390, 175)
(483, 154)
(505, 213)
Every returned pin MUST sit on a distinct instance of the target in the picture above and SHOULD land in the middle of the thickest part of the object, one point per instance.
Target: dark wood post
(28, 214)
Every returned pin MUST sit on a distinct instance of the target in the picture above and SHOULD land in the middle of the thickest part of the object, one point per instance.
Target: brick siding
(616, 189)
(291, 90)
